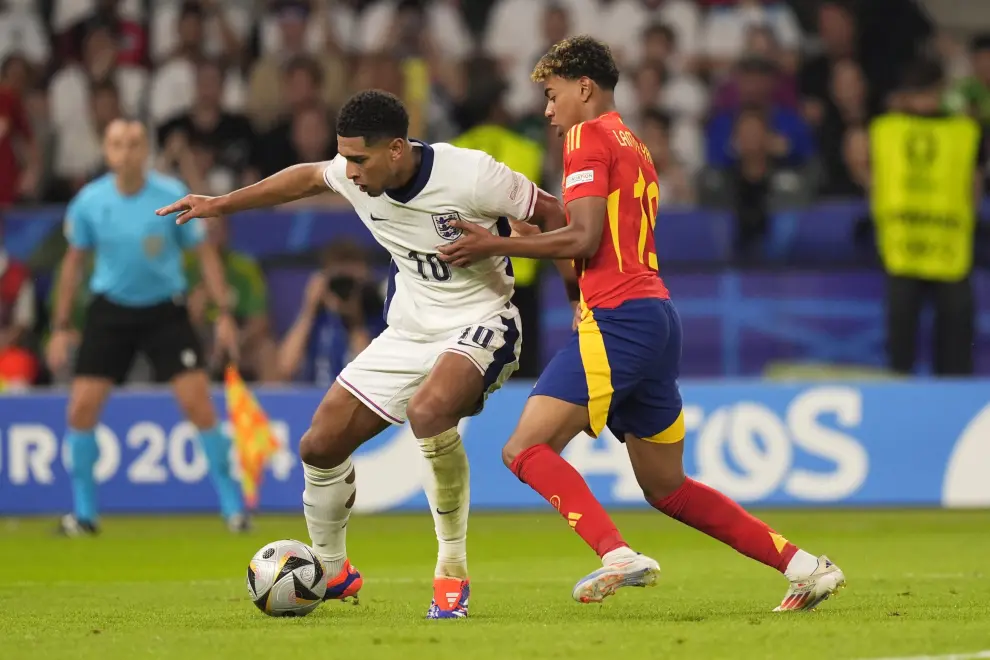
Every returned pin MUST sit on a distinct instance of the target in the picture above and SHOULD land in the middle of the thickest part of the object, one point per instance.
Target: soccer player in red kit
(621, 366)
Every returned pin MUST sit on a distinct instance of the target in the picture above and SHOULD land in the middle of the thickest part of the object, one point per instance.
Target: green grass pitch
(173, 587)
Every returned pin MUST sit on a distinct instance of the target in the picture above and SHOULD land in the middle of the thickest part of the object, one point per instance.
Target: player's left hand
(474, 243)
(226, 337)
(192, 206)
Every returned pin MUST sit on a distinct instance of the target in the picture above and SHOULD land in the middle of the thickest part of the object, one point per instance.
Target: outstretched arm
(288, 185)
(578, 240)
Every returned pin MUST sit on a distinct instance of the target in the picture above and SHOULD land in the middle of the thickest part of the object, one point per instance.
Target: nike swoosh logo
(374, 219)
(443, 513)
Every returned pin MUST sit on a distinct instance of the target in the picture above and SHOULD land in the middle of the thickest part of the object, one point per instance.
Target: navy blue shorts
(623, 364)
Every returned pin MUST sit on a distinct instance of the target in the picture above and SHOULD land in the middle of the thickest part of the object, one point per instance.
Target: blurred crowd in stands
(739, 101)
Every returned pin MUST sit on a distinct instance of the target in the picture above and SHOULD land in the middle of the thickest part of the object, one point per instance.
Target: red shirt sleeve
(587, 161)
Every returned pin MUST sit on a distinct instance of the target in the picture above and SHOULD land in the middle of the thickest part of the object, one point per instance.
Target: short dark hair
(922, 75)
(660, 30)
(306, 64)
(659, 117)
(579, 57)
(374, 115)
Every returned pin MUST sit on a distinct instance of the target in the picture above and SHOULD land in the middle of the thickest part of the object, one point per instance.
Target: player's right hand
(59, 346)
(192, 206)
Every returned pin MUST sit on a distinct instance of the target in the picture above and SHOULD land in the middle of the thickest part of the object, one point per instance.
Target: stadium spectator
(792, 143)
(297, 72)
(971, 95)
(17, 317)
(683, 20)
(78, 150)
(761, 43)
(175, 78)
(846, 110)
(553, 23)
(222, 28)
(837, 34)
(306, 136)
(684, 95)
(20, 158)
(676, 188)
(71, 85)
(248, 302)
(341, 313)
(23, 32)
(128, 35)
(726, 27)
(382, 24)
(752, 179)
(207, 124)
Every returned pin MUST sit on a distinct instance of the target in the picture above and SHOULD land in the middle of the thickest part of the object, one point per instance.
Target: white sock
(447, 485)
(801, 565)
(624, 553)
(327, 502)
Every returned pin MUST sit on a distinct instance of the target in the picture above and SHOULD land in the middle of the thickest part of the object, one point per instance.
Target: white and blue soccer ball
(286, 578)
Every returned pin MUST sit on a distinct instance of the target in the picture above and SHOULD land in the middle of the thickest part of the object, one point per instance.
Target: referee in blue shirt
(138, 305)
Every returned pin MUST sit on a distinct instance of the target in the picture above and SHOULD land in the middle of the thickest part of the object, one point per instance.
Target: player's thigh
(110, 340)
(470, 366)
(192, 392)
(340, 425)
(170, 342)
(386, 374)
(87, 394)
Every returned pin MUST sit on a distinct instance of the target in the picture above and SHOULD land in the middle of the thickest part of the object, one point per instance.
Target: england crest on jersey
(441, 221)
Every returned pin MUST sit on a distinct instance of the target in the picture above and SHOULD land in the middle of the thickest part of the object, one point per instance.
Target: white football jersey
(426, 295)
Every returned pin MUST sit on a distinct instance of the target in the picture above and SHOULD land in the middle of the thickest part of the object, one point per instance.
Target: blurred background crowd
(748, 107)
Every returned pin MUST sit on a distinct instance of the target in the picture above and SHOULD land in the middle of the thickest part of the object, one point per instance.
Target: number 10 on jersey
(648, 197)
(430, 264)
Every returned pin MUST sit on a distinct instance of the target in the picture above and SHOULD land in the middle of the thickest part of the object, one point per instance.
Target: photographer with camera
(340, 315)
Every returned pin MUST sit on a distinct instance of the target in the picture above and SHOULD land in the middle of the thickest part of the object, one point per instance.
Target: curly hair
(577, 57)
(374, 115)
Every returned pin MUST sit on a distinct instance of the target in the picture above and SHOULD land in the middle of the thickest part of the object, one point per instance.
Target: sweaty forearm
(288, 185)
(567, 243)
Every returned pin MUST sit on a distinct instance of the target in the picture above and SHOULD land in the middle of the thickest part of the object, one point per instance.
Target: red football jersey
(602, 158)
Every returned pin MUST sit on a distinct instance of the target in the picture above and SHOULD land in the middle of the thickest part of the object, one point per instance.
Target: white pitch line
(952, 656)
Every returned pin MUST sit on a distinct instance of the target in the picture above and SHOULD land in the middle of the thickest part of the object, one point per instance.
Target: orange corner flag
(253, 436)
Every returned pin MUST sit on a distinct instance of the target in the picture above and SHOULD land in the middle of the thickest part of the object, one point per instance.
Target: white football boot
(807, 592)
(637, 571)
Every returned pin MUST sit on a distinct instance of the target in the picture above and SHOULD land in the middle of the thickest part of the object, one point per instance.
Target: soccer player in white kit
(453, 337)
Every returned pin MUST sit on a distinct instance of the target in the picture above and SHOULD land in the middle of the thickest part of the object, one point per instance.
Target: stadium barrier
(909, 443)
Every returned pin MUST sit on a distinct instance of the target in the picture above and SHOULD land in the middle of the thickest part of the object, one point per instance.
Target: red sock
(713, 513)
(560, 484)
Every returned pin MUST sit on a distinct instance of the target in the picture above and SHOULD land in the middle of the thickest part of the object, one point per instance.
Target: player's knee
(82, 414)
(662, 483)
(322, 445)
(429, 416)
(509, 453)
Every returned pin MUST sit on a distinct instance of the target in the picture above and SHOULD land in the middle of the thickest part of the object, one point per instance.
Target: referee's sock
(85, 452)
(216, 446)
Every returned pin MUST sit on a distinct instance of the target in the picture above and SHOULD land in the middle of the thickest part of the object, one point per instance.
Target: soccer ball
(286, 578)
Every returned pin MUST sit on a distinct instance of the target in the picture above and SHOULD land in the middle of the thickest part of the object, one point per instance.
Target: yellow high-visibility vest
(517, 153)
(922, 194)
